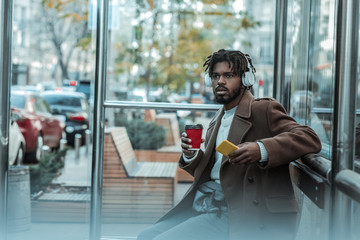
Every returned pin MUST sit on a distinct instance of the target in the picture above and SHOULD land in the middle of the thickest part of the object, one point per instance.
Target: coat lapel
(213, 130)
(238, 130)
(212, 133)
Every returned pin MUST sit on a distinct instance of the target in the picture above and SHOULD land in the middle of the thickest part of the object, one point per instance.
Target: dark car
(75, 107)
(84, 86)
(36, 122)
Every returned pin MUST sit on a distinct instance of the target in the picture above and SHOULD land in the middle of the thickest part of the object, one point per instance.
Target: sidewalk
(77, 169)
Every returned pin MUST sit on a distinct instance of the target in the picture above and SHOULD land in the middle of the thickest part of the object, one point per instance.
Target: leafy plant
(42, 174)
(143, 135)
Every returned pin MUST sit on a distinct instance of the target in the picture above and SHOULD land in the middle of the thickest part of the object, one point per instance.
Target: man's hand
(248, 152)
(186, 144)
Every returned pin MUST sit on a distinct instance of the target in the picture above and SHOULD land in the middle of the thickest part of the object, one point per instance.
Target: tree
(67, 25)
(173, 41)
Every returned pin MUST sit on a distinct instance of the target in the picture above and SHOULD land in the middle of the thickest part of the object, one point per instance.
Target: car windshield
(17, 101)
(62, 100)
(84, 87)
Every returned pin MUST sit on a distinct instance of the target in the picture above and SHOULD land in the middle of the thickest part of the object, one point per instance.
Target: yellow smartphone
(226, 147)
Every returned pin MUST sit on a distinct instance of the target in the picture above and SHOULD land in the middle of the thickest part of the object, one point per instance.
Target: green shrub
(42, 174)
(143, 135)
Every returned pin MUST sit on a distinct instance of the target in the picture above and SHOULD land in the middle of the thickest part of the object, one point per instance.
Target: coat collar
(244, 107)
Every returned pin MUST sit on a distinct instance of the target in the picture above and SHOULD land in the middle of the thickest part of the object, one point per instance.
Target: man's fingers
(185, 143)
(239, 156)
(184, 138)
(189, 152)
(185, 146)
(240, 161)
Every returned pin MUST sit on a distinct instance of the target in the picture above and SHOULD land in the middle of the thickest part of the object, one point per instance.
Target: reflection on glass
(301, 111)
(310, 76)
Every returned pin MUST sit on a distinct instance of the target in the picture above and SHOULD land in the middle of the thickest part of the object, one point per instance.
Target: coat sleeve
(289, 140)
(190, 167)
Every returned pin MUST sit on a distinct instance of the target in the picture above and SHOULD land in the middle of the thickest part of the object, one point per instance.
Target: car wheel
(20, 155)
(35, 156)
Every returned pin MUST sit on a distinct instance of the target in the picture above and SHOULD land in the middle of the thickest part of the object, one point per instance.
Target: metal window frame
(6, 9)
(280, 48)
(99, 117)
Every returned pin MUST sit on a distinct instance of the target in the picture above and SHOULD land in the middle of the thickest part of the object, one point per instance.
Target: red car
(36, 122)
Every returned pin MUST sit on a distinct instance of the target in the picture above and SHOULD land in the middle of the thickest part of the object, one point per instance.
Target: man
(247, 194)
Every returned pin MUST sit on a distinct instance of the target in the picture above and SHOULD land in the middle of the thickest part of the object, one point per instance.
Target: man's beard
(223, 100)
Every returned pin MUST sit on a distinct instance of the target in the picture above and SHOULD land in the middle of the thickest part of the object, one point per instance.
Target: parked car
(75, 107)
(84, 86)
(17, 143)
(37, 123)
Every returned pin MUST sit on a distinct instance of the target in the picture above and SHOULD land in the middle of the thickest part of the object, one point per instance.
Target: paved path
(77, 169)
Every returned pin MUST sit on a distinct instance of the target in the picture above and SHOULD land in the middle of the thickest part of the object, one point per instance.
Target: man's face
(226, 85)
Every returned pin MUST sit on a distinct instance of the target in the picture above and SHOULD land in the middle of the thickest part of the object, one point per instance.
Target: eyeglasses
(226, 75)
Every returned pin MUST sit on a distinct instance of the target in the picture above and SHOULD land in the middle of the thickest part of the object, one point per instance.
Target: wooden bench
(134, 192)
(165, 154)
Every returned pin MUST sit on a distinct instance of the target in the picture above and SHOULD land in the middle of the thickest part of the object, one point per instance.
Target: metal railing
(318, 164)
(158, 106)
(348, 182)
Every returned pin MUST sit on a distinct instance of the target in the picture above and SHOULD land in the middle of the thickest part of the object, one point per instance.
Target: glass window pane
(52, 50)
(157, 50)
(309, 72)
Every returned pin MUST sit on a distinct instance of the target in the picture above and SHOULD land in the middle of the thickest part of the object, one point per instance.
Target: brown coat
(260, 199)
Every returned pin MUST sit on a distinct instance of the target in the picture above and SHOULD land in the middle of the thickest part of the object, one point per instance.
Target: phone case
(226, 147)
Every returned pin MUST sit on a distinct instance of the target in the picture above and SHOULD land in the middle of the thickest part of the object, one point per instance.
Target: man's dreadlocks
(237, 59)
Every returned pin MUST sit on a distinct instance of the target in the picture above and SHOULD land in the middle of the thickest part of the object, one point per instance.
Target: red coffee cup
(194, 132)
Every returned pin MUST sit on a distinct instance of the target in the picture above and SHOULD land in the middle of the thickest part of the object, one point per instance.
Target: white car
(16, 144)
